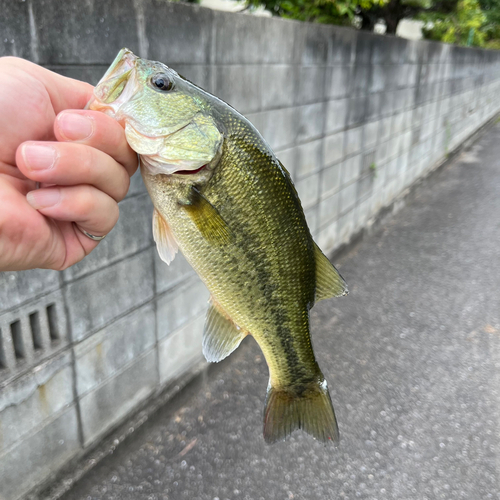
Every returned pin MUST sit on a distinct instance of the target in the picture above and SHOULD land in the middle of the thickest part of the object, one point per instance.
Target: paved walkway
(413, 360)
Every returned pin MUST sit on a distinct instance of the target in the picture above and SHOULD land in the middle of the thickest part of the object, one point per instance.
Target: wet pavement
(412, 357)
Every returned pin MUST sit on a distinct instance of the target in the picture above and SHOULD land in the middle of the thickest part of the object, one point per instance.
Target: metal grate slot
(36, 331)
(3, 361)
(52, 317)
(17, 339)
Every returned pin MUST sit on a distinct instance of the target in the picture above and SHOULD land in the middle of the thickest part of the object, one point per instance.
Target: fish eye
(162, 82)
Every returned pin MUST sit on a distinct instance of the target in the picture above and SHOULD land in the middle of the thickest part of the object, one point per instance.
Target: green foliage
(462, 22)
(491, 9)
(463, 26)
(320, 11)
(492, 44)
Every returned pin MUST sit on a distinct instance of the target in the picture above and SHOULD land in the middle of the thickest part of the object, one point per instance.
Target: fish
(223, 198)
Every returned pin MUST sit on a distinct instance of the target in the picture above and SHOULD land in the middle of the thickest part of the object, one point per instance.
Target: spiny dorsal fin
(308, 408)
(165, 242)
(221, 336)
(329, 282)
(207, 219)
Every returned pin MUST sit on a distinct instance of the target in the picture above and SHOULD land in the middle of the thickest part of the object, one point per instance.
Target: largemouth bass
(222, 197)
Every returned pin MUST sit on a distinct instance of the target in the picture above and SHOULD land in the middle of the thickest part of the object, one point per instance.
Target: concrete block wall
(356, 118)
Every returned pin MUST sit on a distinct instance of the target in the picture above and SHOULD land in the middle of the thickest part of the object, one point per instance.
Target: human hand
(80, 158)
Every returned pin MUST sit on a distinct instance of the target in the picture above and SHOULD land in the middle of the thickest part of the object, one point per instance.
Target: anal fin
(221, 336)
(165, 242)
(329, 282)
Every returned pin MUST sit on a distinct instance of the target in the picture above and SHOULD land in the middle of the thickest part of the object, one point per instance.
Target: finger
(93, 210)
(69, 164)
(31, 96)
(65, 93)
(98, 130)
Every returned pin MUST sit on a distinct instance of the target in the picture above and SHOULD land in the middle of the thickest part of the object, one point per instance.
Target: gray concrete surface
(412, 356)
(355, 117)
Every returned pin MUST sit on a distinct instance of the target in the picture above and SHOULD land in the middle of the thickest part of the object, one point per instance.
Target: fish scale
(269, 290)
(239, 222)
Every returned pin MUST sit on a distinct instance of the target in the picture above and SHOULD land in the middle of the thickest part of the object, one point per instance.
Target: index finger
(99, 131)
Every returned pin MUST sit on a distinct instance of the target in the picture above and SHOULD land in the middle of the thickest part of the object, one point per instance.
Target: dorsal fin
(329, 282)
(165, 242)
(221, 336)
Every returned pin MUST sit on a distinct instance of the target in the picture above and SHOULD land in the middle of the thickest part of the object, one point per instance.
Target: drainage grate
(17, 339)
(52, 319)
(31, 333)
(36, 331)
(3, 361)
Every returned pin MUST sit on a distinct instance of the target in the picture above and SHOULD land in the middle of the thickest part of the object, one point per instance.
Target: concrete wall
(355, 117)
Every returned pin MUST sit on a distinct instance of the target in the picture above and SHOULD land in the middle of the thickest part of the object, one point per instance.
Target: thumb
(65, 93)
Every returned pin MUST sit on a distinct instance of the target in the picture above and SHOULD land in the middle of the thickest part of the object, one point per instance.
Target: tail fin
(309, 409)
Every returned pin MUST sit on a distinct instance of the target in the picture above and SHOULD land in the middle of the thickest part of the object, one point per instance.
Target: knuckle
(88, 160)
(110, 219)
(84, 203)
(81, 159)
(106, 174)
(123, 188)
(110, 131)
(59, 266)
(114, 215)
(100, 208)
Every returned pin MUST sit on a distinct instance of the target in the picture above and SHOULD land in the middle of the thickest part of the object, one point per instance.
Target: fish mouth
(117, 85)
(190, 172)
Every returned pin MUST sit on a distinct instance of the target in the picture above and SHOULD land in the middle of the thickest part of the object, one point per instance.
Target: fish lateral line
(224, 198)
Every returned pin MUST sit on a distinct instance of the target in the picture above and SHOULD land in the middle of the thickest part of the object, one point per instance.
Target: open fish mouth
(117, 86)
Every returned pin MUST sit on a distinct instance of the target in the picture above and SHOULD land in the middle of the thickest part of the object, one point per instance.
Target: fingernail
(43, 198)
(39, 157)
(75, 127)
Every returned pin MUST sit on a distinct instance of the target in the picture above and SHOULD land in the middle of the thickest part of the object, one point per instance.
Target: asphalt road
(412, 356)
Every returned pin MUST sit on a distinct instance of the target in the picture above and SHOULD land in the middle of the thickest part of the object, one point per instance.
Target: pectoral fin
(221, 336)
(165, 242)
(329, 282)
(207, 219)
